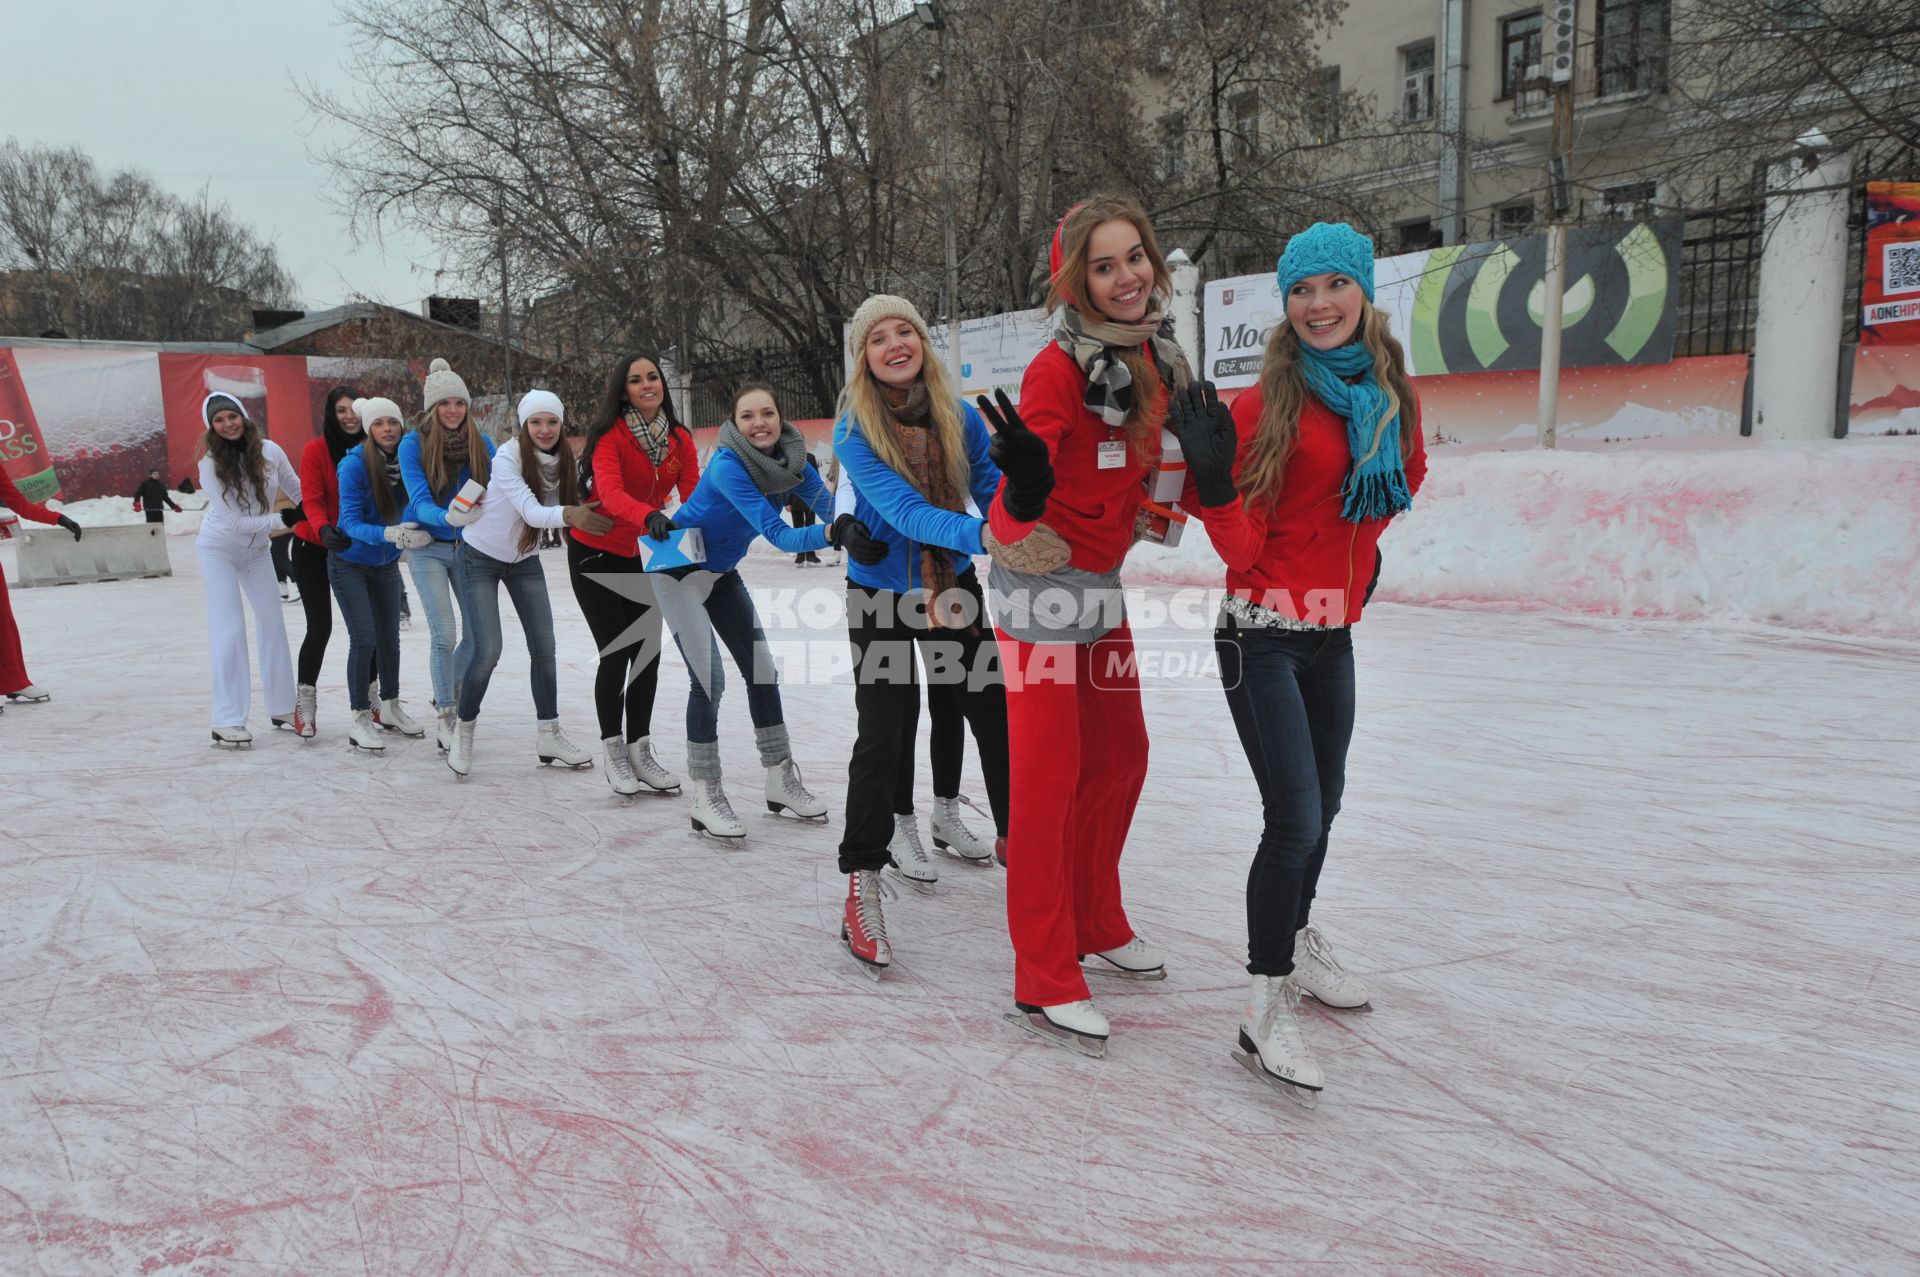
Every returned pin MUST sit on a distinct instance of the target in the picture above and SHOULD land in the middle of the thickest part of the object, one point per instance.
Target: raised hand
(1208, 440)
(1021, 456)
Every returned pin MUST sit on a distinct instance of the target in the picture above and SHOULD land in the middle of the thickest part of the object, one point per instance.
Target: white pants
(227, 571)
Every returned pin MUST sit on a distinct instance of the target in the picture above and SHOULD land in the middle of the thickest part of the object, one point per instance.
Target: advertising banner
(1890, 284)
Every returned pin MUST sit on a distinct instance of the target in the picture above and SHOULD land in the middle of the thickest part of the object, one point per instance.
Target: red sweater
(1296, 552)
(629, 487)
(319, 490)
(10, 497)
(1093, 509)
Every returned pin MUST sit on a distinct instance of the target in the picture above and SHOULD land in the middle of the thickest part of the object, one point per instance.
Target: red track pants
(13, 666)
(1078, 758)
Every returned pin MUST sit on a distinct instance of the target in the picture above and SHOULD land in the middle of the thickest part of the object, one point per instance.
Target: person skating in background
(1078, 453)
(535, 485)
(1295, 486)
(14, 683)
(151, 497)
(240, 471)
(802, 516)
(437, 459)
(637, 454)
(314, 537)
(759, 460)
(917, 460)
(365, 573)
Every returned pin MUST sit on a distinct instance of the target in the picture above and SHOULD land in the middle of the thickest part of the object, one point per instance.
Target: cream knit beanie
(444, 383)
(876, 308)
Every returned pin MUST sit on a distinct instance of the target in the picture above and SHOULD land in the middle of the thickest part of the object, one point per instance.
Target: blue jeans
(1292, 697)
(482, 575)
(436, 574)
(730, 619)
(370, 602)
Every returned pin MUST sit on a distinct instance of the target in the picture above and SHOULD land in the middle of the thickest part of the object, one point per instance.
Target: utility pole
(932, 19)
(1561, 36)
(499, 217)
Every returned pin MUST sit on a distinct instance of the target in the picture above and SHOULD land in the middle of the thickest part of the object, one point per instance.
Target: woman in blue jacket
(914, 454)
(436, 460)
(759, 463)
(366, 575)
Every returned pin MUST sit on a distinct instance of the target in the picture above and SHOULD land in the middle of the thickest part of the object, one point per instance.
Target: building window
(1416, 83)
(1519, 49)
(1417, 235)
(1173, 147)
(1246, 124)
(1635, 199)
(1323, 106)
(1797, 15)
(1630, 45)
(1513, 220)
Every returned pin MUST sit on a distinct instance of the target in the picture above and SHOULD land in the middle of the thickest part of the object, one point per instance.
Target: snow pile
(102, 512)
(1822, 535)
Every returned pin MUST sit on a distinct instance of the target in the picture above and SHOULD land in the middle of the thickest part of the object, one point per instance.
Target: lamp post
(499, 218)
(932, 19)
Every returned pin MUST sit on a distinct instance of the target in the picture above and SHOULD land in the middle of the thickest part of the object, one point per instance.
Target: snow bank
(101, 512)
(1822, 535)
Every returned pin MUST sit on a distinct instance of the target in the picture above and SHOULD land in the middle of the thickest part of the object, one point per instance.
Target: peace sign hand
(1021, 456)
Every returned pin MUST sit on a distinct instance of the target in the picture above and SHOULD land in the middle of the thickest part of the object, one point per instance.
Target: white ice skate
(619, 770)
(460, 757)
(1319, 973)
(232, 738)
(555, 748)
(393, 716)
(863, 926)
(910, 859)
(786, 792)
(712, 814)
(289, 721)
(1078, 1026)
(446, 721)
(365, 733)
(30, 695)
(1272, 1047)
(306, 707)
(1134, 960)
(951, 835)
(648, 770)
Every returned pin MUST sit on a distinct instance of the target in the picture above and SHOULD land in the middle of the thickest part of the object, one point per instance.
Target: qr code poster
(1890, 285)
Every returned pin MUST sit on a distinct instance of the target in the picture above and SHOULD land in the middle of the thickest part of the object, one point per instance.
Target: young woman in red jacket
(340, 432)
(1295, 486)
(14, 683)
(637, 453)
(1078, 454)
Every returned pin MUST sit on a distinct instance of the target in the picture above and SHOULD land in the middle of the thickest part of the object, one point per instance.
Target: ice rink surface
(1638, 902)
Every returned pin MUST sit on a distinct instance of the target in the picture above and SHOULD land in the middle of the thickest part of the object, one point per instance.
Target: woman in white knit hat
(436, 460)
(535, 485)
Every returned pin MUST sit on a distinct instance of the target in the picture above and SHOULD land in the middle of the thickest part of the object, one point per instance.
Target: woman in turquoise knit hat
(1295, 486)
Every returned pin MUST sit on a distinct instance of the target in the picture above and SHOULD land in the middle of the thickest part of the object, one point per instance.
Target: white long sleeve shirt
(231, 518)
(510, 508)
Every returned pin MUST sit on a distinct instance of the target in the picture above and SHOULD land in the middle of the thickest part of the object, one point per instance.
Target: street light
(931, 19)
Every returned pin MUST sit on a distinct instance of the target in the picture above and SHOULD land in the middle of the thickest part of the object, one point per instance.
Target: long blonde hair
(1069, 288)
(1284, 393)
(433, 457)
(864, 404)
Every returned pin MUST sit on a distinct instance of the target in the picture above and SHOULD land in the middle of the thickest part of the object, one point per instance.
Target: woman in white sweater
(240, 472)
(534, 485)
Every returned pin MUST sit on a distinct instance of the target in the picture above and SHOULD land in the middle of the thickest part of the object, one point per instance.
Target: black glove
(292, 515)
(659, 526)
(1022, 458)
(1375, 583)
(334, 539)
(1204, 427)
(70, 526)
(851, 535)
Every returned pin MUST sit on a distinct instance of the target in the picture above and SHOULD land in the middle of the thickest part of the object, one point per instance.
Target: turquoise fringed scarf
(1376, 488)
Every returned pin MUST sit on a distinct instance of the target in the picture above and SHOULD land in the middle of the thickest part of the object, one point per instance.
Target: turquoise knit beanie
(1326, 248)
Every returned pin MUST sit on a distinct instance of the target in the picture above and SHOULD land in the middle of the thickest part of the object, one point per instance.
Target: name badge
(1113, 454)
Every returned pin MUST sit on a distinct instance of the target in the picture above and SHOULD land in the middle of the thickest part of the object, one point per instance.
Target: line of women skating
(1293, 484)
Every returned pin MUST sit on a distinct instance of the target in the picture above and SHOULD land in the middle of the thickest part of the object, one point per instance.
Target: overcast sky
(196, 92)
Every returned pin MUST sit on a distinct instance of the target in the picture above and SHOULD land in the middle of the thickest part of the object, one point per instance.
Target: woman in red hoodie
(637, 453)
(1078, 452)
(1295, 486)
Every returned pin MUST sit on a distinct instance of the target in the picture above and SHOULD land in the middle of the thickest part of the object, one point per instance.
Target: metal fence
(807, 382)
(1719, 280)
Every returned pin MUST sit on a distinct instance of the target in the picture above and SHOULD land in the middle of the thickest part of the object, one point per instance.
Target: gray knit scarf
(1095, 345)
(774, 473)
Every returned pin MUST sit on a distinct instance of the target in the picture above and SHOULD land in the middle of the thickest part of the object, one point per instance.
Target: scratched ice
(1637, 900)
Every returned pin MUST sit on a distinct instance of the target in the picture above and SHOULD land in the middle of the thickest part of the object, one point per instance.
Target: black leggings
(628, 674)
(316, 600)
(886, 699)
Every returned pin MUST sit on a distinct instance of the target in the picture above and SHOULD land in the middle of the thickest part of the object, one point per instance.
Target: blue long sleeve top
(360, 519)
(422, 507)
(730, 511)
(895, 511)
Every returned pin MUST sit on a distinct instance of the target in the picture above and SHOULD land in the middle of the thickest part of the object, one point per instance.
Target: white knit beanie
(876, 308)
(540, 401)
(371, 410)
(444, 383)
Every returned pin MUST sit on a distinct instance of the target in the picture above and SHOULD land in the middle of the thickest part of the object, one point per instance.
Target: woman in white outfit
(240, 471)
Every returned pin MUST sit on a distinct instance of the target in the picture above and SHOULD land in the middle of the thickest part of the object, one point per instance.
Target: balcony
(1603, 97)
